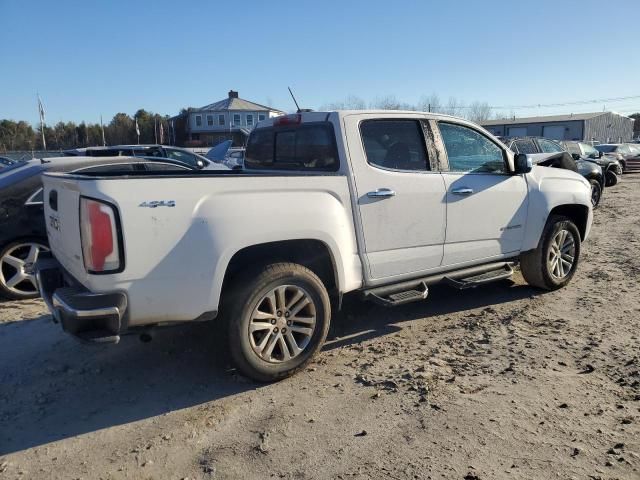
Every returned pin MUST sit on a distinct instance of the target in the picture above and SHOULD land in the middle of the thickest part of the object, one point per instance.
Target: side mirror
(200, 164)
(575, 156)
(522, 163)
(600, 154)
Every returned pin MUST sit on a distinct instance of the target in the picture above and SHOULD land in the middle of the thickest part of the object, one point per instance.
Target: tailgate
(62, 217)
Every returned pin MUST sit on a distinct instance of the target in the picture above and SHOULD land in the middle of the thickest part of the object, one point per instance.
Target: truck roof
(314, 116)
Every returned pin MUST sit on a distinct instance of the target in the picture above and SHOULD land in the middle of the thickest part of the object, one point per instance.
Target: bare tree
(478, 112)
(430, 103)
(453, 107)
(352, 102)
(390, 102)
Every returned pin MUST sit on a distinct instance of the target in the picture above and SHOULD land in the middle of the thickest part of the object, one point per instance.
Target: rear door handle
(462, 191)
(382, 193)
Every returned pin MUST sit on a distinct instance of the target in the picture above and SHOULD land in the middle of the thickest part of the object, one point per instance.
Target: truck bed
(175, 256)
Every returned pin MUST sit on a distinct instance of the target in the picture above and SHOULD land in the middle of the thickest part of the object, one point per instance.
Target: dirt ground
(498, 382)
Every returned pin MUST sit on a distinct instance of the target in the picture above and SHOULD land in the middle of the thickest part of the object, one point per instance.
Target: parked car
(540, 149)
(382, 204)
(6, 161)
(149, 151)
(626, 154)
(22, 229)
(583, 151)
(633, 162)
(232, 157)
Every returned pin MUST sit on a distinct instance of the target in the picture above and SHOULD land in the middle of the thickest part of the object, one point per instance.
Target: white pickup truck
(384, 203)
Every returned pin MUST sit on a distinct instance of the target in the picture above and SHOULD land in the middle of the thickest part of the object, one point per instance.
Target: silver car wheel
(17, 264)
(282, 324)
(562, 253)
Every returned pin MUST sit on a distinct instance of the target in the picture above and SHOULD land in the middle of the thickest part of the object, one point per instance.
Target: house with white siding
(229, 119)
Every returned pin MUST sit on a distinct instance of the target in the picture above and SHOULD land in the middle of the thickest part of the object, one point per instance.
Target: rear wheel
(553, 263)
(596, 192)
(611, 178)
(17, 275)
(277, 319)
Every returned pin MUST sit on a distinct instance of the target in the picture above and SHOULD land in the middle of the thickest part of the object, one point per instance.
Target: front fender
(550, 188)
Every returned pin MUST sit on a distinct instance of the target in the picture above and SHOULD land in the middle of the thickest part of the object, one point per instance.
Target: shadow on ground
(54, 387)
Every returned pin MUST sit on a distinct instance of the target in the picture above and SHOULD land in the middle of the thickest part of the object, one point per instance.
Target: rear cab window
(300, 147)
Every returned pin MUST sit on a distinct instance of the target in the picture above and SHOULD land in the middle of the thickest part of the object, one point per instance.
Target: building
(603, 127)
(229, 119)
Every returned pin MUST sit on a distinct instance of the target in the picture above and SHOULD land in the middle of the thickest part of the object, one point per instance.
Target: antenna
(294, 99)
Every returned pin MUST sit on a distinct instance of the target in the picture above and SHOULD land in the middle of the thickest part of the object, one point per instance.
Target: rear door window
(307, 147)
(395, 144)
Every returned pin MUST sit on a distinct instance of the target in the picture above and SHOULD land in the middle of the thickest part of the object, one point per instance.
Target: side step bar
(418, 289)
(481, 278)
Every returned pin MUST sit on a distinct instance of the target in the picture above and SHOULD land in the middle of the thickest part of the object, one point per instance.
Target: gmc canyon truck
(381, 203)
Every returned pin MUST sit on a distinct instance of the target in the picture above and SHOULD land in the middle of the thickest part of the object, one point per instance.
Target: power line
(551, 105)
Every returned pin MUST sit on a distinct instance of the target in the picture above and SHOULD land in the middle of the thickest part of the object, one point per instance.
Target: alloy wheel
(562, 254)
(282, 324)
(17, 274)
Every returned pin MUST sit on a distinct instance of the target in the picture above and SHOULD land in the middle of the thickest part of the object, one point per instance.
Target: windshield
(606, 148)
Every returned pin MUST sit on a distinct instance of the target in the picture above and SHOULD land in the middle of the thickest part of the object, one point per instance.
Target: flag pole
(104, 142)
(41, 112)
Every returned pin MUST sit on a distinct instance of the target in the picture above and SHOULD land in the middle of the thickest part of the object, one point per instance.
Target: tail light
(99, 234)
(287, 120)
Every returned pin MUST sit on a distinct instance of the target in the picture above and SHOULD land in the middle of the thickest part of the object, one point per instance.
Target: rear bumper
(93, 317)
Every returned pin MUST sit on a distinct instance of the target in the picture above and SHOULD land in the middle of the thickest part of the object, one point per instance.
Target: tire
(537, 266)
(611, 178)
(16, 263)
(596, 192)
(264, 319)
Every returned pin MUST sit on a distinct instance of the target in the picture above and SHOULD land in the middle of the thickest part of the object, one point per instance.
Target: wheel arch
(314, 254)
(578, 214)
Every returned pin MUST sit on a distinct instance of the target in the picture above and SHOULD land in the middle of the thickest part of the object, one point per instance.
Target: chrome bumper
(92, 317)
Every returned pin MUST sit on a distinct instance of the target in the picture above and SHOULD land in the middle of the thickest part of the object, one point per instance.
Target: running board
(418, 289)
(480, 279)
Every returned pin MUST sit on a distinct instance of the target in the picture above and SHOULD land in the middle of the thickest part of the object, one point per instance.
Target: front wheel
(611, 178)
(596, 192)
(277, 319)
(553, 263)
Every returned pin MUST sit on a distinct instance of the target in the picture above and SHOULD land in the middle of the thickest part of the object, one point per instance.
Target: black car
(610, 165)
(6, 161)
(22, 228)
(148, 151)
(546, 152)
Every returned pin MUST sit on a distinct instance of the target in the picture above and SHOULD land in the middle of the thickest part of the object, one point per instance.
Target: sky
(88, 58)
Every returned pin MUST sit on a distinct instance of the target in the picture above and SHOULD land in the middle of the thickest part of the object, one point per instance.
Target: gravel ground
(498, 382)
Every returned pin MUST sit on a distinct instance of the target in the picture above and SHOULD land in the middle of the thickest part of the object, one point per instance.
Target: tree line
(120, 130)
(476, 112)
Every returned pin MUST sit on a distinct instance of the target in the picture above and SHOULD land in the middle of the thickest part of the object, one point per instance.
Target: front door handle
(462, 191)
(382, 193)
